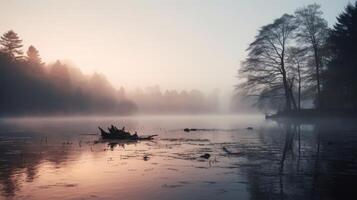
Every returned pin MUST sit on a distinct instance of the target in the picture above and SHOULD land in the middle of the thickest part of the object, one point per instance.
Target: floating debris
(198, 129)
(184, 140)
(206, 156)
(229, 152)
(210, 129)
(121, 134)
(146, 157)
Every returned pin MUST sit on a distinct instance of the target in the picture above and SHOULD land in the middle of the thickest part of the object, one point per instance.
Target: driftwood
(199, 129)
(213, 129)
(206, 156)
(117, 134)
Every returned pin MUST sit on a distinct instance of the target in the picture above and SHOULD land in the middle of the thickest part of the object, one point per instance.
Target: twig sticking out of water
(229, 152)
(215, 129)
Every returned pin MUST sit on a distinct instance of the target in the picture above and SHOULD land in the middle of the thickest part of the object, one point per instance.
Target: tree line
(152, 100)
(28, 86)
(298, 59)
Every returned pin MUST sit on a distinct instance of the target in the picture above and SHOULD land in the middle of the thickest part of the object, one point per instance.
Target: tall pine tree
(11, 44)
(33, 56)
(341, 87)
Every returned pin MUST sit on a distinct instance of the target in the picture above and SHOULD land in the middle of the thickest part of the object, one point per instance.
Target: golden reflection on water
(62, 159)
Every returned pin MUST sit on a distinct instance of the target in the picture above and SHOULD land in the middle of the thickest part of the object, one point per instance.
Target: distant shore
(314, 113)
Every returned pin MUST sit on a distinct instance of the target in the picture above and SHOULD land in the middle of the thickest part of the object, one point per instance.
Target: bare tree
(265, 70)
(298, 59)
(313, 32)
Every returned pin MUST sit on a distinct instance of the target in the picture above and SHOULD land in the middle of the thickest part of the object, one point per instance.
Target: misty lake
(64, 158)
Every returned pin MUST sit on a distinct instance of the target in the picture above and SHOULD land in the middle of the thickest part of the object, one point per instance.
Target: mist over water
(35, 89)
(65, 158)
(166, 104)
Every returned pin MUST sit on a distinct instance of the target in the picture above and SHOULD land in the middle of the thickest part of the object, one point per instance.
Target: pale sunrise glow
(172, 43)
(178, 99)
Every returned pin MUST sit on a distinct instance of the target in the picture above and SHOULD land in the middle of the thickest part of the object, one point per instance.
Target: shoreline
(314, 114)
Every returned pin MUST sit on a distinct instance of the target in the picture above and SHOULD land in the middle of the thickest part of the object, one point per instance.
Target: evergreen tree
(11, 44)
(341, 87)
(33, 56)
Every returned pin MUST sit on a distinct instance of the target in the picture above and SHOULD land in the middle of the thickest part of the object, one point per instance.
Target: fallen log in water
(117, 134)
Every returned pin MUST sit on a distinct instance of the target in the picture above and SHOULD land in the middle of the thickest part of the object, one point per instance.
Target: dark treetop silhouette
(341, 83)
(28, 86)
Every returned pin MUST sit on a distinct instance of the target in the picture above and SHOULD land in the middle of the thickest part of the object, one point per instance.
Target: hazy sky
(178, 44)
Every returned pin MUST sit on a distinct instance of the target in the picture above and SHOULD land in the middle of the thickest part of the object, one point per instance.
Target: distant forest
(298, 62)
(153, 100)
(28, 86)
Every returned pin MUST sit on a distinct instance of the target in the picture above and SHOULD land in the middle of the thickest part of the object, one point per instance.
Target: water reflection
(304, 161)
(276, 160)
(20, 161)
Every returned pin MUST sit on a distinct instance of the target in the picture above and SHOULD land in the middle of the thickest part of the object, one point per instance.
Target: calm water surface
(64, 158)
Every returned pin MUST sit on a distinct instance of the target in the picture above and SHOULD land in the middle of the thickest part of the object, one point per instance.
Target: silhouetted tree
(27, 86)
(265, 69)
(299, 61)
(313, 31)
(11, 44)
(341, 86)
(33, 56)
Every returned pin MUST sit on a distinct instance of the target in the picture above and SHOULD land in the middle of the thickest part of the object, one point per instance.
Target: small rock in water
(146, 158)
(190, 129)
(206, 156)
